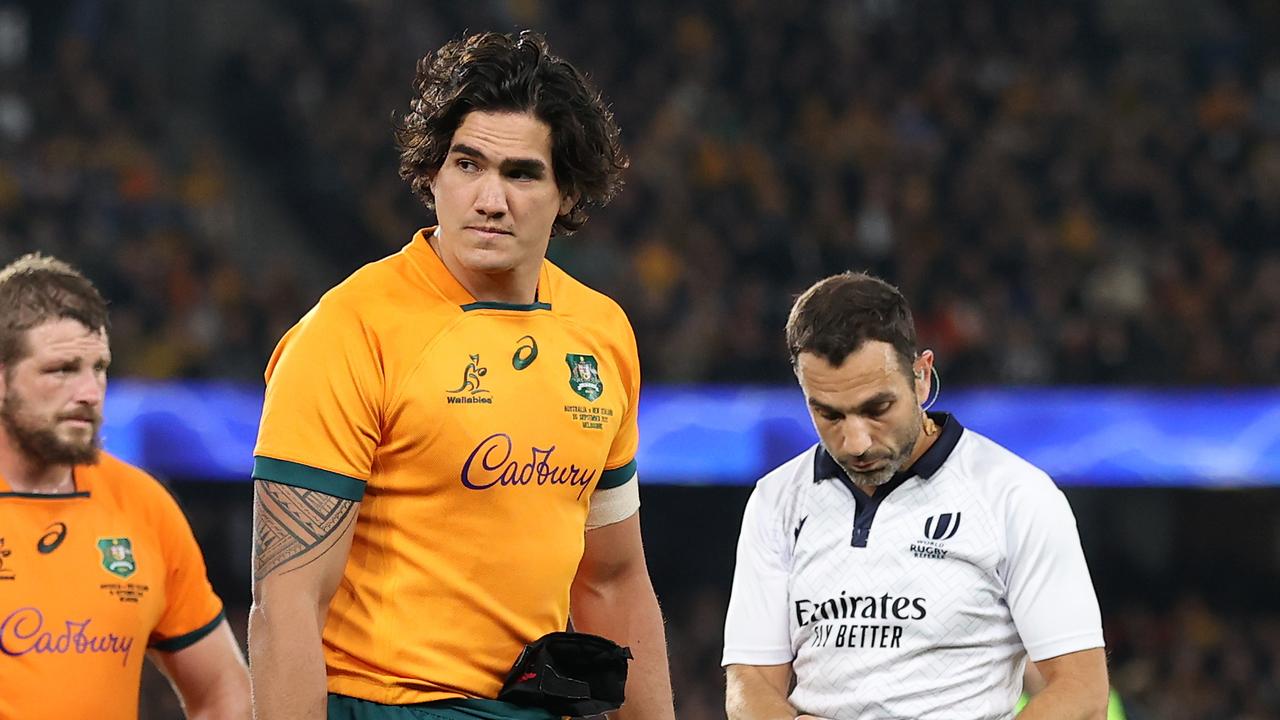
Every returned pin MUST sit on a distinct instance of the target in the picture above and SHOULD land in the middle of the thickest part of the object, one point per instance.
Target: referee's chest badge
(584, 376)
(937, 529)
(942, 527)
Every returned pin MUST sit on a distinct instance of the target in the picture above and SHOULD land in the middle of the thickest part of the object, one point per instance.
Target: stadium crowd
(96, 167)
(1059, 206)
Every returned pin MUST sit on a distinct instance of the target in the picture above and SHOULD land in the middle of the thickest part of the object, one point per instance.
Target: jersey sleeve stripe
(175, 644)
(617, 477)
(310, 478)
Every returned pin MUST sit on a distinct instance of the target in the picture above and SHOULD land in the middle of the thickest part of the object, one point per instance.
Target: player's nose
(491, 197)
(89, 389)
(855, 438)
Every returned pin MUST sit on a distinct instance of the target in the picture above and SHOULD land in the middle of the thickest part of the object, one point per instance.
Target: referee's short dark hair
(36, 289)
(834, 317)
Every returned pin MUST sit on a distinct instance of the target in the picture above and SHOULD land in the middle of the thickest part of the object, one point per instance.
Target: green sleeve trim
(305, 476)
(617, 477)
(174, 644)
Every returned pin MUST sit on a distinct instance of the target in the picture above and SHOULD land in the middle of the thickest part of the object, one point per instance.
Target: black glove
(569, 673)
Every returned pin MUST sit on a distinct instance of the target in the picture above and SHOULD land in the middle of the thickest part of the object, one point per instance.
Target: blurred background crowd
(1063, 197)
(1068, 193)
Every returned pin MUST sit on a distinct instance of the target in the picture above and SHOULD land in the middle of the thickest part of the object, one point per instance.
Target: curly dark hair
(498, 72)
(834, 317)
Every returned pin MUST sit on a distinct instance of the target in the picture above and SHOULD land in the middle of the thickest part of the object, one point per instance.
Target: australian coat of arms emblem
(117, 556)
(584, 376)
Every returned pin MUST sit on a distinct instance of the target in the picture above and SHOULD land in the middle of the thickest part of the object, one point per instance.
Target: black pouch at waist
(569, 673)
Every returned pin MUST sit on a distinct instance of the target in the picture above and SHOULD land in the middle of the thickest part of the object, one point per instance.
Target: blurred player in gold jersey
(98, 566)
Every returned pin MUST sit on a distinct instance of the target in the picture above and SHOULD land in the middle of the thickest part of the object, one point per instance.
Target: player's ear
(567, 201)
(922, 375)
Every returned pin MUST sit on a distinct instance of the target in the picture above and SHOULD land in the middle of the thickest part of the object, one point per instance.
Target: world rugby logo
(942, 527)
(937, 528)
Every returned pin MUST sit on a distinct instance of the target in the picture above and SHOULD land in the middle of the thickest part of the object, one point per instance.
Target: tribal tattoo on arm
(289, 522)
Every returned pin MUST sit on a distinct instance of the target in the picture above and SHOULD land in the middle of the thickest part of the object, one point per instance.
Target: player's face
(52, 398)
(496, 195)
(866, 410)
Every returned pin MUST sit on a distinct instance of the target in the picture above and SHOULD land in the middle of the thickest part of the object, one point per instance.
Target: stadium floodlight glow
(733, 435)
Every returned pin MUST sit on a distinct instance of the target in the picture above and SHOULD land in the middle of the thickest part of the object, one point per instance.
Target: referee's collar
(825, 467)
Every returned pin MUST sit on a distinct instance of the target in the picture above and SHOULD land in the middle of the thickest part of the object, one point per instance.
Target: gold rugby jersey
(474, 434)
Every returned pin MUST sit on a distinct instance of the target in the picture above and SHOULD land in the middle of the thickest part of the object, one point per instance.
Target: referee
(904, 567)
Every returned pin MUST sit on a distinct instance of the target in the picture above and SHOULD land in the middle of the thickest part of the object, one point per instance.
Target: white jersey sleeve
(1050, 594)
(757, 629)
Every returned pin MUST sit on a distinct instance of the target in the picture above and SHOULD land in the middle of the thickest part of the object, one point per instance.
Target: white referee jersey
(922, 601)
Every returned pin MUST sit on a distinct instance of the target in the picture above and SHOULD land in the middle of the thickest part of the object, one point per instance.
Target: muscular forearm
(1075, 687)
(747, 706)
(626, 611)
(286, 662)
(223, 706)
(227, 698)
(294, 579)
(751, 695)
(1066, 700)
(209, 676)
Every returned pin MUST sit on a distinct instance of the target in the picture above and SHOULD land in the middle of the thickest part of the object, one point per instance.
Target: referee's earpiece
(919, 374)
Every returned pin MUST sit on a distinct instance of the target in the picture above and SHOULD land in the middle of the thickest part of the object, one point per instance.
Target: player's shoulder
(575, 300)
(382, 299)
(388, 286)
(997, 470)
(777, 486)
(112, 469)
(134, 487)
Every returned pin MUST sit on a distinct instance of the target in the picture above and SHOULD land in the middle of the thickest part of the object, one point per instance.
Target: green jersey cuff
(617, 477)
(175, 644)
(307, 477)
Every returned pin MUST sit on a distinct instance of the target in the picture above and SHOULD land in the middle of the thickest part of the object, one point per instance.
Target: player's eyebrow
(465, 149)
(863, 408)
(876, 400)
(824, 408)
(530, 166)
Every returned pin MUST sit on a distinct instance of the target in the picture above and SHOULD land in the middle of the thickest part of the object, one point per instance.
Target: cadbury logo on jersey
(24, 632)
(492, 464)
